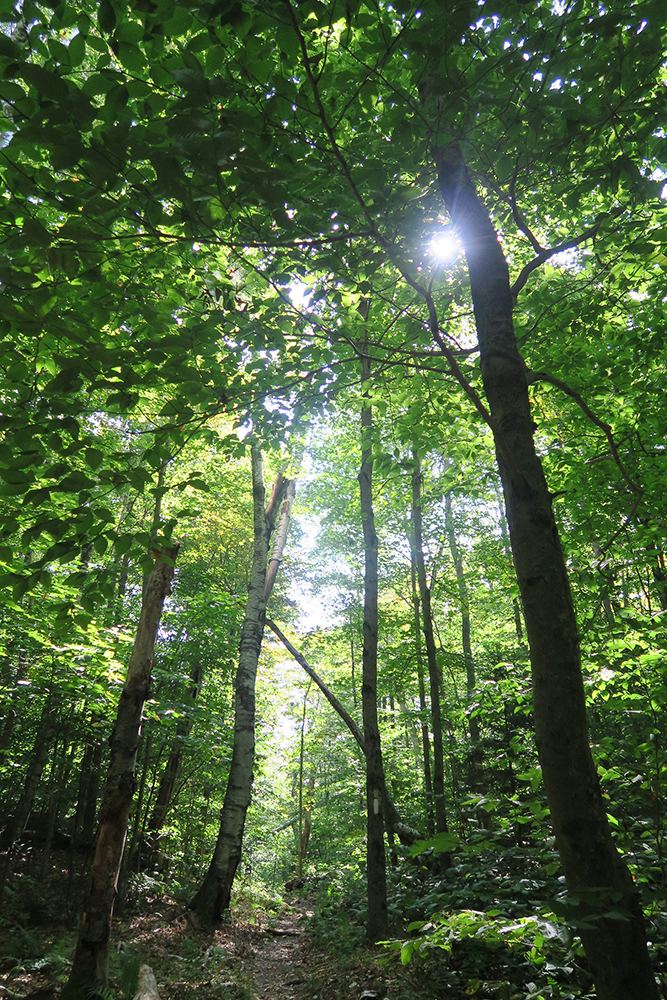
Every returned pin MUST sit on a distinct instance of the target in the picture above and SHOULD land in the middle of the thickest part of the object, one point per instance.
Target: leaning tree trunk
(376, 873)
(596, 875)
(434, 678)
(213, 896)
(91, 958)
(406, 834)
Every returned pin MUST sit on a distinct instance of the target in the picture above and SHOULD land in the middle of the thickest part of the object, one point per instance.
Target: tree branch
(532, 377)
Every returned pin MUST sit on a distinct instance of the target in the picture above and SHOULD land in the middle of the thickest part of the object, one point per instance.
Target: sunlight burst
(445, 246)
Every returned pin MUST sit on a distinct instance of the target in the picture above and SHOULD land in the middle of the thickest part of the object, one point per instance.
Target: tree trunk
(376, 874)
(462, 586)
(434, 679)
(426, 742)
(91, 958)
(92, 795)
(304, 836)
(596, 875)
(299, 862)
(507, 548)
(213, 896)
(46, 730)
(170, 773)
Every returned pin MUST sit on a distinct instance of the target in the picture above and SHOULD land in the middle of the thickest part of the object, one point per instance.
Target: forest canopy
(390, 276)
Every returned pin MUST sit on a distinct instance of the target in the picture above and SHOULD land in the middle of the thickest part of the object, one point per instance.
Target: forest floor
(261, 953)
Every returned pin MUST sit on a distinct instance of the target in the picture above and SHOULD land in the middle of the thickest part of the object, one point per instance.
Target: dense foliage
(211, 214)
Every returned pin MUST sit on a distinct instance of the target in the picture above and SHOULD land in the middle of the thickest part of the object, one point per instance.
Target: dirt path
(277, 968)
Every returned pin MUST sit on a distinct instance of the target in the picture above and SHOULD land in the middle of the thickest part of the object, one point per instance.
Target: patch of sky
(300, 294)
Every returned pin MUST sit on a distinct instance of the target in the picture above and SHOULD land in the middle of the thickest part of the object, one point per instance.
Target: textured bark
(595, 873)
(434, 678)
(213, 896)
(406, 834)
(376, 873)
(91, 958)
(426, 741)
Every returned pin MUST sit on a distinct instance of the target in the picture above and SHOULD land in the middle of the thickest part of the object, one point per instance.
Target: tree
(594, 869)
(91, 958)
(376, 874)
(213, 896)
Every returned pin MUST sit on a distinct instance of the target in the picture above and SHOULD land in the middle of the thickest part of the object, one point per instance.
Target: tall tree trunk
(376, 874)
(507, 549)
(214, 894)
(457, 559)
(57, 784)
(299, 862)
(596, 875)
(426, 742)
(352, 663)
(170, 773)
(304, 836)
(92, 794)
(434, 678)
(46, 730)
(91, 958)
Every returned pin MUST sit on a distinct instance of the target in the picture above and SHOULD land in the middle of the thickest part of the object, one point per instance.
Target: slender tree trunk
(304, 836)
(58, 785)
(46, 730)
(426, 742)
(434, 678)
(507, 548)
(92, 795)
(464, 600)
(376, 874)
(84, 778)
(214, 894)
(352, 663)
(299, 863)
(170, 773)
(91, 958)
(131, 841)
(596, 875)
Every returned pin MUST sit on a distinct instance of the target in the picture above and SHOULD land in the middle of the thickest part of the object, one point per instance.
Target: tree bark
(91, 958)
(434, 678)
(597, 878)
(426, 741)
(376, 874)
(213, 896)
